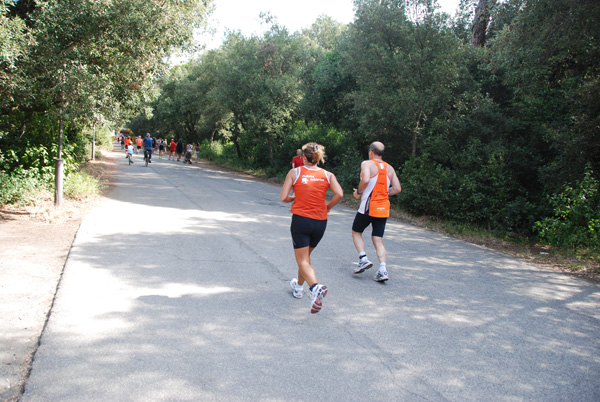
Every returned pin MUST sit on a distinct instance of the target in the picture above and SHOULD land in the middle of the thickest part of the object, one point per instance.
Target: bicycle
(146, 157)
(129, 157)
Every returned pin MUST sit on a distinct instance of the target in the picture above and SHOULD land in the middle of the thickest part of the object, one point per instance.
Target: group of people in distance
(378, 180)
(127, 143)
(147, 143)
(175, 149)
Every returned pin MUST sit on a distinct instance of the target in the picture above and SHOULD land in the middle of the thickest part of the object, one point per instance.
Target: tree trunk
(191, 130)
(23, 130)
(480, 23)
(236, 135)
(58, 174)
(416, 134)
(94, 144)
(270, 147)
(212, 138)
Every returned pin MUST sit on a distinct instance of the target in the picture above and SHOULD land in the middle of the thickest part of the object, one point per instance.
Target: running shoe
(363, 265)
(297, 290)
(317, 295)
(381, 276)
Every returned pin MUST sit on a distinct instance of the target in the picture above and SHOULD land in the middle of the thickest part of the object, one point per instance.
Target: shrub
(81, 185)
(342, 157)
(208, 152)
(428, 189)
(576, 220)
(19, 187)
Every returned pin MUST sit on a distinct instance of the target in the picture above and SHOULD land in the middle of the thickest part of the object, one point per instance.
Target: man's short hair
(377, 150)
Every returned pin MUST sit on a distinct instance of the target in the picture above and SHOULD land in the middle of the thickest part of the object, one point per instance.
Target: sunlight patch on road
(224, 216)
(177, 290)
(546, 291)
(106, 302)
(440, 262)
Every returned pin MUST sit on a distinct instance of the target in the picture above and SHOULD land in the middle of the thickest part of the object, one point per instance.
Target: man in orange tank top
(378, 181)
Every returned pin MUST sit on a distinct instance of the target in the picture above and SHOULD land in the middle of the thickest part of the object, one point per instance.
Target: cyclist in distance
(130, 153)
(148, 146)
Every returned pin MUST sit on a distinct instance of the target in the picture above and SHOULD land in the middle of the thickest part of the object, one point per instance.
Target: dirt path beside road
(32, 260)
(35, 245)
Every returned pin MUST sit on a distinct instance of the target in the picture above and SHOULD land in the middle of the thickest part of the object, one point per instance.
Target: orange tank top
(310, 188)
(375, 200)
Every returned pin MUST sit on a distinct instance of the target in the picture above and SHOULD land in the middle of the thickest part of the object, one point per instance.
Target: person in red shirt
(298, 160)
(309, 220)
(172, 147)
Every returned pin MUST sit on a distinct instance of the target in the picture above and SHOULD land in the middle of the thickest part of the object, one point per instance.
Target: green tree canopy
(406, 66)
(89, 56)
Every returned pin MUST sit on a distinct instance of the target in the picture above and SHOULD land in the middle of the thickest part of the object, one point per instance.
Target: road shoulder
(35, 245)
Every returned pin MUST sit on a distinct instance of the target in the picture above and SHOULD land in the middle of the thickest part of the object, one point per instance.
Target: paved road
(176, 288)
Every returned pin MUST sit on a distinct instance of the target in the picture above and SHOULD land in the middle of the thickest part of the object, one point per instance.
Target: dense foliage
(504, 134)
(84, 63)
(498, 136)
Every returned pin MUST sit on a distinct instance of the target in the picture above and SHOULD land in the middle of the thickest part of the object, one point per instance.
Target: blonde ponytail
(314, 153)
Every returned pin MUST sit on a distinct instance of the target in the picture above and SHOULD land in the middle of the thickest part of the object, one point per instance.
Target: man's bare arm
(396, 187)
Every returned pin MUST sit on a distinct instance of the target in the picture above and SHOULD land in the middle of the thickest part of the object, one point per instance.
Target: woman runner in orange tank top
(309, 220)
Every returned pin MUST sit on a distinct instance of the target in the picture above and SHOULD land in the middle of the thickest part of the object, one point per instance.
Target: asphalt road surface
(177, 289)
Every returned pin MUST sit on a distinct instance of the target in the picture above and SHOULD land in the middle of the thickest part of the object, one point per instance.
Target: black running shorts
(307, 232)
(361, 221)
